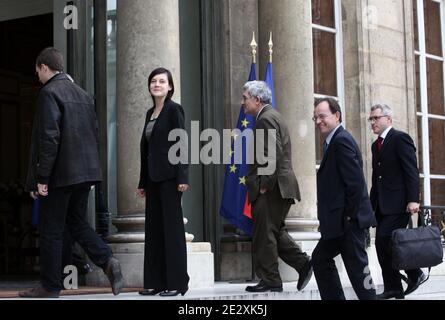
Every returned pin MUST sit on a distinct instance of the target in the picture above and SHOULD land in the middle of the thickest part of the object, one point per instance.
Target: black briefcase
(420, 247)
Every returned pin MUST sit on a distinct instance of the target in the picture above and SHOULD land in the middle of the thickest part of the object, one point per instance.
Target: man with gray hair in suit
(271, 194)
(394, 196)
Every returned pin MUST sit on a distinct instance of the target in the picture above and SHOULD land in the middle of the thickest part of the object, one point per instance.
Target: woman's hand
(183, 187)
(141, 193)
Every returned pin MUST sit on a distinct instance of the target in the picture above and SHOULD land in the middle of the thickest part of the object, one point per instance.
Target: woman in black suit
(165, 258)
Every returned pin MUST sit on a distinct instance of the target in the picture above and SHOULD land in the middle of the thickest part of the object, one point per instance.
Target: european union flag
(235, 190)
(269, 80)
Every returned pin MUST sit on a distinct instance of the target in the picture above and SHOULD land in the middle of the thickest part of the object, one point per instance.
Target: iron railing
(434, 215)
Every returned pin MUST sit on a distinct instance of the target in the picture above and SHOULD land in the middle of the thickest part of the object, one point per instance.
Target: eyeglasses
(246, 98)
(321, 117)
(375, 118)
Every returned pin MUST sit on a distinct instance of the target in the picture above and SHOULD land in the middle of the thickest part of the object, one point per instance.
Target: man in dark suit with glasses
(394, 196)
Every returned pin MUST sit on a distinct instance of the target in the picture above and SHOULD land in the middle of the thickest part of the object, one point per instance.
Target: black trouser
(383, 244)
(351, 247)
(66, 207)
(71, 254)
(270, 238)
(165, 256)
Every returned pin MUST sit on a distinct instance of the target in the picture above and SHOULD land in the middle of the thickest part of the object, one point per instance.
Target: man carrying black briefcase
(394, 196)
(416, 248)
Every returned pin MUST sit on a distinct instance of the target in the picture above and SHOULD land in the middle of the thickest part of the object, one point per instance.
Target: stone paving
(433, 289)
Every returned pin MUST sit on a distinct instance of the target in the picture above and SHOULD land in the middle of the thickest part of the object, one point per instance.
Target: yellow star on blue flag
(234, 195)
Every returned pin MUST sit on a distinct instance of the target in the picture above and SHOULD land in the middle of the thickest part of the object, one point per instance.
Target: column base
(305, 234)
(236, 260)
(200, 265)
(288, 273)
(131, 257)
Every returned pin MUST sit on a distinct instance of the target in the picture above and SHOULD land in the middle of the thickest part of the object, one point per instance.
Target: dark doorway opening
(21, 40)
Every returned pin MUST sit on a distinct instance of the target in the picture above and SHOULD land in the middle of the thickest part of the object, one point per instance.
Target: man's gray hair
(386, 110)
(260, 90)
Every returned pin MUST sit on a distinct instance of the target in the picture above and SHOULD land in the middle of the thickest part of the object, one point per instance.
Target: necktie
(379, 143)
(325, 147)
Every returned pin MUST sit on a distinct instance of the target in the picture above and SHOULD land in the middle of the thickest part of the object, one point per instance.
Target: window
(111, 106)
(429, 26)
(328, 55)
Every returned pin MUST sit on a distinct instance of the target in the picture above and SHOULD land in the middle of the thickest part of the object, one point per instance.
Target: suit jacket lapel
(147, 117)
(149, 114)
(385, 142)
(374, 149)
(327, 151)
(161, 116)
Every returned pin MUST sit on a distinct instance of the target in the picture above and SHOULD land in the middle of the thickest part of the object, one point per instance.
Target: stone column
(379, 68)
(385, 70)
(147, 38)
(144, 41)
(290, 23)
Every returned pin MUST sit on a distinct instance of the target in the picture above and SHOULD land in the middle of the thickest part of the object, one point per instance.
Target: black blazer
(341, 188)
(154, 154)
(395, 176)
(64, 142)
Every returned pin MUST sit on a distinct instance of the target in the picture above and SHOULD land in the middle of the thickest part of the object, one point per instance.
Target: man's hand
(263, 190)
(34, 194)
(183, 187)
(412, 207)
(141, 193)
(42, 189)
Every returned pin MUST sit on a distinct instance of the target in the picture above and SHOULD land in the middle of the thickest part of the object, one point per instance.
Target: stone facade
(378, 67)
(378, 61)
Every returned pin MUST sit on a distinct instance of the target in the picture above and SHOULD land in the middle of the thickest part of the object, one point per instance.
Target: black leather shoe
(390, 294)
(413, 285)
(150, 292)
(262, 287)
(173, 293)
(114, 274)
(304, 275)
(39, 292)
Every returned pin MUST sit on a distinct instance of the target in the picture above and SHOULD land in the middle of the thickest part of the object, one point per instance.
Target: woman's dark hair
(334, 107)
(161, 70)
(50, 57)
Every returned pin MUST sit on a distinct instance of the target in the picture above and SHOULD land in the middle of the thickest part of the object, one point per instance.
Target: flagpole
(268, 77)
(254, 46)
